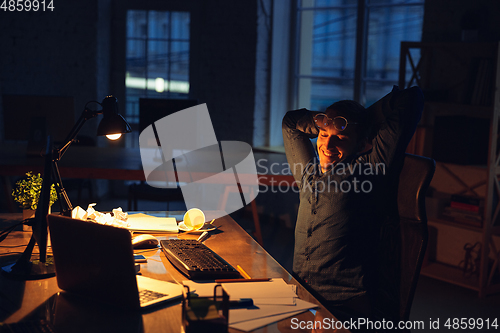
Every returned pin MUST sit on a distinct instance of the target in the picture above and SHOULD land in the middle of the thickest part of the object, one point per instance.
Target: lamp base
(31, 270)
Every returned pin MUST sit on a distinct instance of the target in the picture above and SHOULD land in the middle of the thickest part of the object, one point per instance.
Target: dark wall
(223, 66)
(51, 53)
(444, 20)
(79, 50)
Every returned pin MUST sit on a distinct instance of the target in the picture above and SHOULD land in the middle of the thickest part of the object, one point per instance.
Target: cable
(147, 250)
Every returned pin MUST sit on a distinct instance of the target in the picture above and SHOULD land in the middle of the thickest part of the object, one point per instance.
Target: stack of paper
(273, 300)
(146, 223)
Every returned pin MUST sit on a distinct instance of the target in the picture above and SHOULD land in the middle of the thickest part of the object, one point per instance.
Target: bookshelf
(460, 130)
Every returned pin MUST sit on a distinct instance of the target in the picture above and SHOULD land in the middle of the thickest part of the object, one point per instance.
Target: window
(157, 59)
(341, 57)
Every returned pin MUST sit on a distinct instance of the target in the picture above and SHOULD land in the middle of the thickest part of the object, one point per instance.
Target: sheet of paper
(250, 319)
(254, 324)
(273, 300)
(146, 223)
(273, 289)
(160, 213)
(276, 288)
(202, 289)
(207, 289)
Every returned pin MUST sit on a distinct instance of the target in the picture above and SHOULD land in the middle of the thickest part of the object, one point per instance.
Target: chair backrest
(151, 110)
(414, 180)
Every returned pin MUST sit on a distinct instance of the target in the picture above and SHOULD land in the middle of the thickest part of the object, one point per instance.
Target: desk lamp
(112, 125)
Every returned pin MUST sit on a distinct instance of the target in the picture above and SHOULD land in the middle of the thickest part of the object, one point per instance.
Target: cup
(194, 219)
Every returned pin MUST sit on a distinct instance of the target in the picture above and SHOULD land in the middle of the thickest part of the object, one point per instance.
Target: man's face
(334, 145)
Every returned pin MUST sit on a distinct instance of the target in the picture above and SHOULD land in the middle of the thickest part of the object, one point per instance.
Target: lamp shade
(112, 122)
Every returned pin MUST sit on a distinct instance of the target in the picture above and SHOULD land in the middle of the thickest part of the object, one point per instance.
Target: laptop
(97, 261)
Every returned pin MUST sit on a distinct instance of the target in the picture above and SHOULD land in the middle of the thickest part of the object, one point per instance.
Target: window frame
(132, 114)
(363, 8)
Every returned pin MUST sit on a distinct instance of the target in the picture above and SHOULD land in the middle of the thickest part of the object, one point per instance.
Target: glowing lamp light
(114, 136)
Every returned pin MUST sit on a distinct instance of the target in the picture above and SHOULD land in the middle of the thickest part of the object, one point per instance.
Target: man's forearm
(299, 122)
(297, 128)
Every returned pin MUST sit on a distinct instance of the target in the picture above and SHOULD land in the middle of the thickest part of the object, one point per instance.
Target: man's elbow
(415, 94)
(286, 122)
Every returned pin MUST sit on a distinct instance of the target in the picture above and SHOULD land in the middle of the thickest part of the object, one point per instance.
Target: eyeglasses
(322, 121)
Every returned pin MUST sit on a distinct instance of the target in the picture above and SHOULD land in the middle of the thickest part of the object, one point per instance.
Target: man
(348, 194)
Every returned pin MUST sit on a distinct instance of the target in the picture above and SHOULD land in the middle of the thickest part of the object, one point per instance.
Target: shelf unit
(460, 80)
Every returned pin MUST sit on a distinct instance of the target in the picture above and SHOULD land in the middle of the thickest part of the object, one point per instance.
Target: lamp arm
(64, 203)
(86, 115)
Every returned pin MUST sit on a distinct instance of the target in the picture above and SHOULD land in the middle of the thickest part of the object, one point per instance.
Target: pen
(242, 272)
(203, 236)
(242, 280)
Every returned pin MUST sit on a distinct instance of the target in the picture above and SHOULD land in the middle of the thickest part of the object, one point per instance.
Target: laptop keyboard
(146, 295)
(196, 260)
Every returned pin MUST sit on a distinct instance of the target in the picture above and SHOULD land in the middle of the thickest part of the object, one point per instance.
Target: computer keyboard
(197, 261)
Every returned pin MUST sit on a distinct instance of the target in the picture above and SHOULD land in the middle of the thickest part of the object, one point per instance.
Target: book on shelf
(466, 203)
(462, 216)
(467, 199)
(464, 206)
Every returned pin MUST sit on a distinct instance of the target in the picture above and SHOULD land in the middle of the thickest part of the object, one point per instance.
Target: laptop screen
(94, 260)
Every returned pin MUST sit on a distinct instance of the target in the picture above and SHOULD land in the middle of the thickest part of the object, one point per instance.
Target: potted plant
(27, 194)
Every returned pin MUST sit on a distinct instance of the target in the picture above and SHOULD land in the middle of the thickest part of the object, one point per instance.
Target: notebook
(146, 223)
(96, 261)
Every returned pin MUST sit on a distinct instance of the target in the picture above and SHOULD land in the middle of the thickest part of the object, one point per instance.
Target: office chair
(151, 110)
(403, 240)
(414, 181)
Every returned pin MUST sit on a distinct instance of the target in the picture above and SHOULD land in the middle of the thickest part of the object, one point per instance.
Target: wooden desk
(39, 299)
